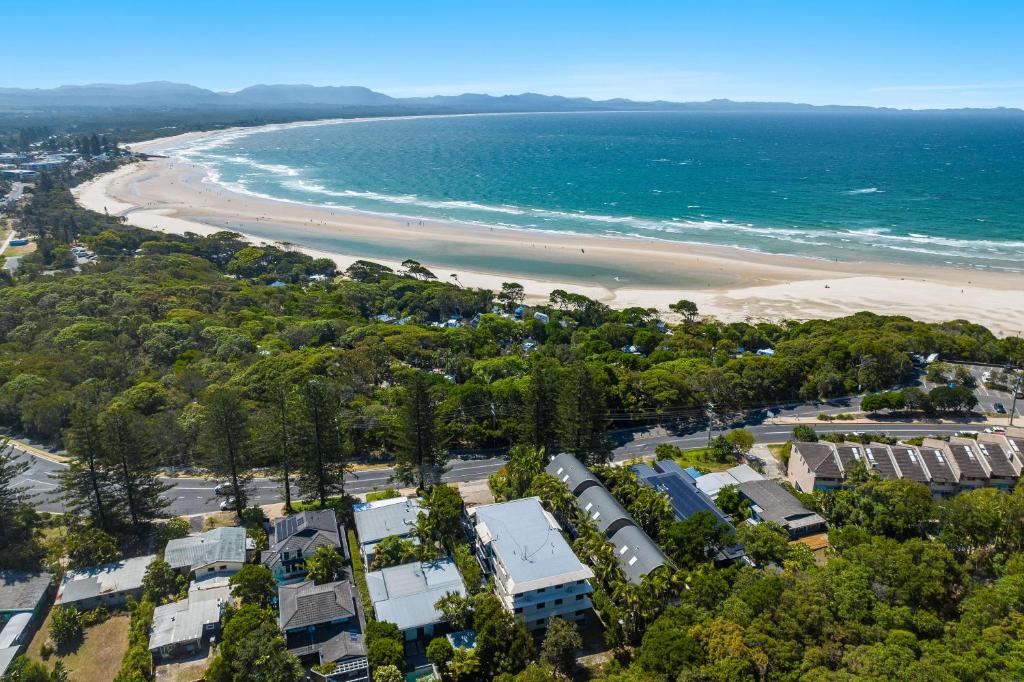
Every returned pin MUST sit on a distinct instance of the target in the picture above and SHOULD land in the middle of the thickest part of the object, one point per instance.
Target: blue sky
(904, 53)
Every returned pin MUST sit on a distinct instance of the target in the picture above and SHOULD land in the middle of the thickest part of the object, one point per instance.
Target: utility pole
(711, 420)
(1016, 391)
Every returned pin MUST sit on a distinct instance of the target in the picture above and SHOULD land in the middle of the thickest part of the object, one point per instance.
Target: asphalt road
(195, 496)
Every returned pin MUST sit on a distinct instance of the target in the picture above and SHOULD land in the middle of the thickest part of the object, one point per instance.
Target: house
(110, 584)
(220, 551)
(186, 626)
(24, 592)
(710, 484)
(298, 536)
(602, 509)
(536, 575)
(383, 518)
(815, 466)
(405, 595)
(14, 638)
(966, 462)
(321, 625)
(771, 502)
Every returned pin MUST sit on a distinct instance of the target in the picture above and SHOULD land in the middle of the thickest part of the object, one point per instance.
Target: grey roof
(572, 473)
(377, 520)
(850, 454)
(22, 590)
(820, 458)
(342, 645)
(7, 656)
(777, 504)
(670, 466)
(305, 604)
(303, 532)
(938, 467)
(999, 460)
(405, 595)
(967, 460)
(603, 510)
(909, 462)
(13, 629)
(879, 459)
(636, 553)
(183, 621)
(113, 578)
(527, 542)
(219, 544)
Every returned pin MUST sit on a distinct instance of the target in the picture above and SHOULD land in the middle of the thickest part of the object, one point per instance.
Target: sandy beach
(732, 284)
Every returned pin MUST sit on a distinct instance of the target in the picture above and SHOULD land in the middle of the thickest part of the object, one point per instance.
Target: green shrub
(386, 494)
(65, 626)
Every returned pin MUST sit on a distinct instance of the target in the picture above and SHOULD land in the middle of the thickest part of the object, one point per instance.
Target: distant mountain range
(164, 95)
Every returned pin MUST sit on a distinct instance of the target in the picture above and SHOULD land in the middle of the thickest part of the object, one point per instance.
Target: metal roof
(182, 622)
(14, 629)
(879, 459)
(966, 459)
(821, 459)
(603, 510)
(938, 467)
(112, 578)
(909, 462)
(529, 545)
(378, 520)
(684, 496)
(1000, 462)
(219, 544)
(572, 473)
(775, 503)
(304, 532)
(306, 604)
(22, 590)
(636, 553)
(670, 466)
(405, 595)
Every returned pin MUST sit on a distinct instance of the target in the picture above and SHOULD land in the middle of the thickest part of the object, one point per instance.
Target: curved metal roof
(636, 553)
(572, 473)
(598, 505)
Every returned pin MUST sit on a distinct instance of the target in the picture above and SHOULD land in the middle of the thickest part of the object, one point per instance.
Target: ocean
(918, 189)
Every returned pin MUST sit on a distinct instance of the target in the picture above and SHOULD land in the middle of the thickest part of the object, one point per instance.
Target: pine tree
(275, 436)
(582, 415)
(419, 454)
(225, 441)
(320, 442)
(13, 498)
(87, 481)
(540, 412)
(129, 453)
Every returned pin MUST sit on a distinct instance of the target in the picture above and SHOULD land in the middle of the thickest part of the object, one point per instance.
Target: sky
(900, 53)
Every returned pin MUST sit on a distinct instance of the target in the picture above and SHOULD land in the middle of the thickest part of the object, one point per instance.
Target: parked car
(1000, 408)
(222, 488)
(227, 504)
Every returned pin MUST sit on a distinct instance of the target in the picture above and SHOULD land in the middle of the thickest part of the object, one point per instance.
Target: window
(558, 602)
(541, 605)
(223, 567)
(579, 597)
(540, 622)
(210, 569)
(519, 609)
(541, 590)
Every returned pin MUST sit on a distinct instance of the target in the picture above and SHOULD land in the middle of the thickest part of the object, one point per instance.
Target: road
(190, 496)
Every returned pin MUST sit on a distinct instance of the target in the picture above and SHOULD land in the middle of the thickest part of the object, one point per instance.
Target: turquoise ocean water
(910, 188)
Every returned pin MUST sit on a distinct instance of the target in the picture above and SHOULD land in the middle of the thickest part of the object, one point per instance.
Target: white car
(222, 489)
(227, 504)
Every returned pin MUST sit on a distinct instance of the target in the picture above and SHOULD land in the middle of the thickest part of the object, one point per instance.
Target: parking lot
(988, 397)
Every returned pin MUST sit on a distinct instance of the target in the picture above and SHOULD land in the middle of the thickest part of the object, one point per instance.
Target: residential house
(187, 626)
(405, 595)
(24, 592)
(216, 552)
(110, 584)
(321, 625)
(710, 484)
(815, 466)
(771, 502)
(377, 520)
(296, 537)
(536, 575)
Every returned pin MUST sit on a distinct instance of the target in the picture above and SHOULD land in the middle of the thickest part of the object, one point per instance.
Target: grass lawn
(701, 459)
(99, 655)
(781, 451)
(220, 520)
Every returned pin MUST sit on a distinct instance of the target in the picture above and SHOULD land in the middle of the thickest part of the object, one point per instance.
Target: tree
(457, 610)
(254, 585)
(511, 295)
(253, 649)
(324, 565)
(765, 542)
(687, 309)
(540, 404)
(696, 538)
(420, 454)
(583, 415)
(161, 584)
(174, 529)
(65, 626)
(86, 483)
(87, 546)
(469, 567)
(560, 644)
(393, 551)
(465, 665)
(275, 436)
(225, 440)
(441, 520)
(440, 652)
(388, 673)
(323, 459)
(13, 498)
(732, 503)
(741, 440)
(130, 453)
(524, 463)
(802, 433)
(721, 450)
(502, 643)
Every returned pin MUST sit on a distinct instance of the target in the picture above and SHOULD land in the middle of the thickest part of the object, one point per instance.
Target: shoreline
(730, 283)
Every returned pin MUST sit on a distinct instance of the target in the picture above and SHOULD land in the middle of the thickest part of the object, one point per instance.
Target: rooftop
(304, 532)
(305, 604)
(183, 621)
(572, 473)
(22, 590)
(638, 555)
(528, 543)
(775, 503)
(219, 544)
(377, 520)
(820, 458)
(405, 595)
(112, 578)
(603, 510)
